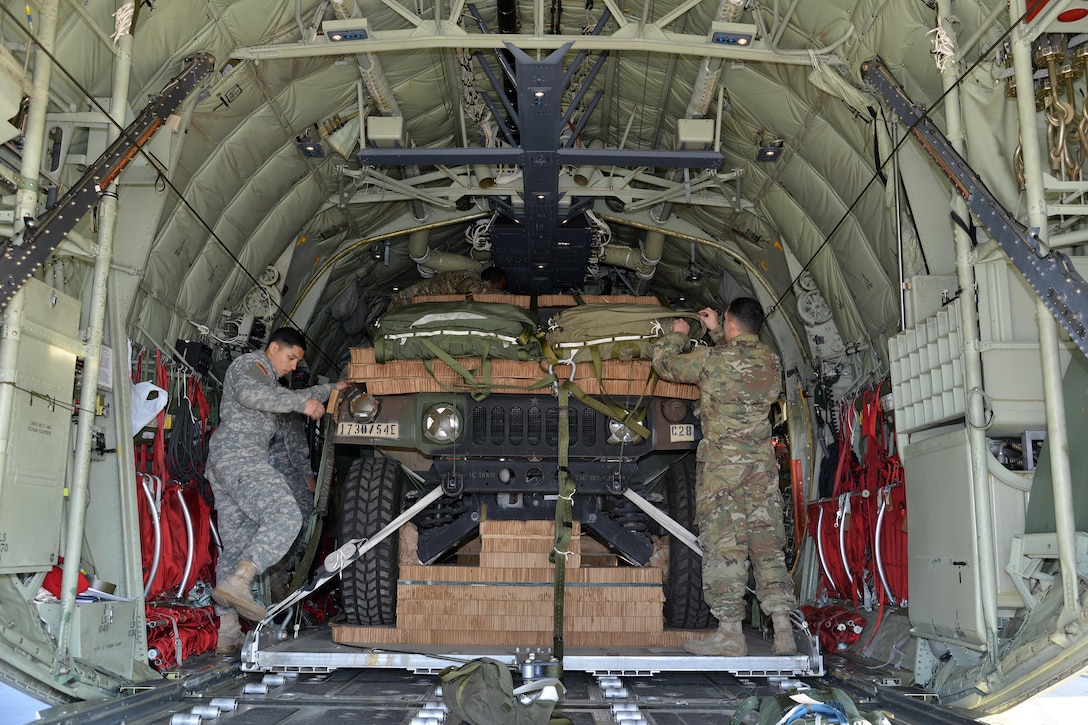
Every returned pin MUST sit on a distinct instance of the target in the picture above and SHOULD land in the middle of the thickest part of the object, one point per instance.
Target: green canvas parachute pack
(823, 706)
(612, 331)
(457, 329)
(482, 692)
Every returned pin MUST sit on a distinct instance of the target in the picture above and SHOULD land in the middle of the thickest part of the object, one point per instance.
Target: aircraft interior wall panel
(942, 549)
(103, 633)
(926, 294)
(1009, 331)
(927, 360)
(32, 491)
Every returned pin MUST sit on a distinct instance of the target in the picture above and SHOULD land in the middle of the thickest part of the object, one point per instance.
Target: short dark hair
(495, 277)
(747, 313)
(287, 336)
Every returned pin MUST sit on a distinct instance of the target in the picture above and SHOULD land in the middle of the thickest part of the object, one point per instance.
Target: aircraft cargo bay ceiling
(573, 143)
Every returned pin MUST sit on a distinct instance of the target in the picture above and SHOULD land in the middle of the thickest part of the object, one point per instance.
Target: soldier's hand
(311, 484)
(709, 318)
(314, 409)
(342, 385)
(680, 325)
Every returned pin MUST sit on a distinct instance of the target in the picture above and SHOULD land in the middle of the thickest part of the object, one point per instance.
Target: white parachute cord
(944, 50)
(122, 20)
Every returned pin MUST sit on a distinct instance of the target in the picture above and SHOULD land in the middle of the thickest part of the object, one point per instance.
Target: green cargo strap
(481, 388)
(478, 383)
(317, 516)
(564, 515)
(615, 412)
(651, 380)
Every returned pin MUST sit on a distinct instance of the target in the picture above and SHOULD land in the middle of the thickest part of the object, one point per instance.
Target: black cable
(185, 452)
(879, 172)
(162, 171)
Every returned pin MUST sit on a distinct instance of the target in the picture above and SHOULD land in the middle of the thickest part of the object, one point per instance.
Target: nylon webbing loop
(317, 515)
(614, 412)
(478, 382)
(564, 515)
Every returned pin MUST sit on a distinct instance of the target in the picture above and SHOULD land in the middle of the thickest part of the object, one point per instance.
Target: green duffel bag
(482, 692)
(820, 706)
(457, 329)
(613, 331)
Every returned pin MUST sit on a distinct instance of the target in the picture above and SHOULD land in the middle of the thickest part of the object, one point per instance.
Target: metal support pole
(77, 504)
(1057, 440)
(898, 181)
(26, 202)
(972, 371)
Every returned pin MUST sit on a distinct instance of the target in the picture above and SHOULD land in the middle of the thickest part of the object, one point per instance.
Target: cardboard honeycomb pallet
(511, 604)
(523, 301)
(618, 378)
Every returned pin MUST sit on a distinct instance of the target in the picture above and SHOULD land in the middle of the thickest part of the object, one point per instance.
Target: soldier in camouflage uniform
(258, 516)
(738, 507)
(491, 281)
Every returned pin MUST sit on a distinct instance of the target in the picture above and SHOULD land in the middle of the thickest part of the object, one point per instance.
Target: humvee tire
(373, 495)
(685, 607)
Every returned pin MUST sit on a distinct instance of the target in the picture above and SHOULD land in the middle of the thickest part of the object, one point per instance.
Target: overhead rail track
(1049, 272)
(32, 244)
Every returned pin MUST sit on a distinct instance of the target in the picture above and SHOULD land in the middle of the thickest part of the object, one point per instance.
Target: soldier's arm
(673, 365)
(716, 335)
(254, 392)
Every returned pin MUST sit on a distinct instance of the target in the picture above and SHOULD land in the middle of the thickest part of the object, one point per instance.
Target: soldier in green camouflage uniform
(258, 516)
(738, 505)
(491, 281)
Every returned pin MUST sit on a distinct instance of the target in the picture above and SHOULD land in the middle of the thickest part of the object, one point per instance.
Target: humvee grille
(496, 426)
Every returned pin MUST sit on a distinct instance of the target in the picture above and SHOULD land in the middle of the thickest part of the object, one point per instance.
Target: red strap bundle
(174, 633)
(890, 545)
(836, 627)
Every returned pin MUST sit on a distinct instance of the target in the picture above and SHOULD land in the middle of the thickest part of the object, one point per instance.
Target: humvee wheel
(685, 607)
(373, 495)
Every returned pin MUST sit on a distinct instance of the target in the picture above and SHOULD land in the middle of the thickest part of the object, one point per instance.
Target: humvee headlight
(441, 423)
(621, 433)
(364, 408)
(675, 411)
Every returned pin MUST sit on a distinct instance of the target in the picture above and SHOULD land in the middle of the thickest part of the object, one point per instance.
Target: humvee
(489, 434)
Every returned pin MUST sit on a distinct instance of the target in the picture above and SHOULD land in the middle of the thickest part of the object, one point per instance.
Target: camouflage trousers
(304, 497)
(739, 511)
(257, 513)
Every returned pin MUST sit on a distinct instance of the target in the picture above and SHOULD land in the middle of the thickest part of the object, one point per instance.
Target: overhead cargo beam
(1051, 274)
(431, 35)
(24, 253)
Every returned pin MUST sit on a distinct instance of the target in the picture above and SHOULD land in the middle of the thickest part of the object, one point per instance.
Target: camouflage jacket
(251, 409)
(444, 283)
(738, 381)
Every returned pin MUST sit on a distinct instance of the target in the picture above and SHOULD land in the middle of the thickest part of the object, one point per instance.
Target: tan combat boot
(234, 592)
(230, 634)
(784, 643)
(728, 641)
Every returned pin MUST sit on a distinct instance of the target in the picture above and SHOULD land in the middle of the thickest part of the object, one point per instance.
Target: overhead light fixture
(310, 148)
(339, 31)
(736, 34)
(386, 132)
(769, 150)
(694, 133)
